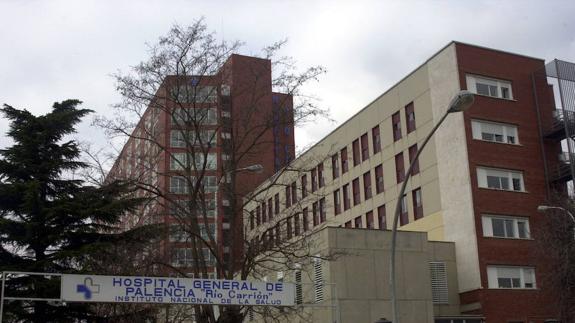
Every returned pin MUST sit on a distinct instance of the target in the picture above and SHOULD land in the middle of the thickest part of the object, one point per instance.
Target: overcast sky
(56, 50)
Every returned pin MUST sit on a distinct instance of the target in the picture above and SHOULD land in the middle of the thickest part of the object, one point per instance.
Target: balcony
(562, 171)
(563, 124)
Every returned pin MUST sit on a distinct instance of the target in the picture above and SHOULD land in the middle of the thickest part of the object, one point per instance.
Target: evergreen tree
(50, 222)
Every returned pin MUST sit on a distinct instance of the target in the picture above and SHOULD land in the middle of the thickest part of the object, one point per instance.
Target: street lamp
(544, 208)
(257, 168)
(460, 102)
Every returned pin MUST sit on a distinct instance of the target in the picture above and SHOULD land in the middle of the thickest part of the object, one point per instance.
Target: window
(314, 214)
(336, 202)
(495, 132)
(367, 185)
(381, 220)
(209, 184)
(489, 87)
(177, 139)
(403, 216)
(321, 181)
(355, 152)
(439, 285)
(303, 186)
(305, 219)
(195, 93)
(334, 167)
(410, 117)
(369, 220)
(264, 213)
(270, 209)
(296, 223)
(277, 203)
(505, 227)
(500, 179)
(364, 147)
(289, 228)
(396, 125)
(376, 138)
(313, 180)
(417, 204)
(343, 156)
(288, 196)
(357, 222)
(356, 194)
(293, 193)
(258, 215)
(348, 224)
(379, 179)
(177, 233)
(399, 168)
(511, 277)
(207, 206)
(178, 161)
(278, 234)
(412, 153)
(252, 222)
(346, 197)
(178, 185)
(322, 216)
(195, 116)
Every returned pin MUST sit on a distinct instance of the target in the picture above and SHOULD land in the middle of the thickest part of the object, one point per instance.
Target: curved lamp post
(460, 102)
(544, 208)
(258, 168)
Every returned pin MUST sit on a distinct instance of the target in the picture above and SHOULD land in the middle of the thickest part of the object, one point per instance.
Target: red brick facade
(509, 305)
(245, 114)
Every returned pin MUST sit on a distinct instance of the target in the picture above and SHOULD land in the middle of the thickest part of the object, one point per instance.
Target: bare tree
(557, 245)
(198, 119)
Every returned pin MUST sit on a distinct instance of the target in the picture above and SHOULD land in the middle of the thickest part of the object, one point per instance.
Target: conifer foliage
(49, 221)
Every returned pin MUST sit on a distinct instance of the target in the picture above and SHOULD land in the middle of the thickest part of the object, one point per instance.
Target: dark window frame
(369, 220)
(367, 189)
(344, 160)
(355, 152)
(364, 146)
(396, 126)
(399, 167)
(410, 117)
(381, 217)
(417, 208)
(356, 193)
(334, 166)
(379, 183)
(337, 201)
(412, 153)
(376, 139)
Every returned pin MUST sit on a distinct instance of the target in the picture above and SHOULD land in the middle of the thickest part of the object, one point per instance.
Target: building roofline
(455, 42)
(497, 50)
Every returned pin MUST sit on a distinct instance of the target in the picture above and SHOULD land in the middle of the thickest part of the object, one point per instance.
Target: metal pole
(392, 285)
(564, 210)
(2, 301)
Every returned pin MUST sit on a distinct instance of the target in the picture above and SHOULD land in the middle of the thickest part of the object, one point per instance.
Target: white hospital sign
(169, 290)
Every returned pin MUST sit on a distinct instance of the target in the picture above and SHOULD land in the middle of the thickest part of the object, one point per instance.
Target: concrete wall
(453, 169)
(357, 281)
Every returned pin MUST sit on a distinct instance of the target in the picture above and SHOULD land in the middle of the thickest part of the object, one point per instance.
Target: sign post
(173, 290)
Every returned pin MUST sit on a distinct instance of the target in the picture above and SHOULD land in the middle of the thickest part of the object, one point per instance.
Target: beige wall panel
(453, 167)
(432, 224)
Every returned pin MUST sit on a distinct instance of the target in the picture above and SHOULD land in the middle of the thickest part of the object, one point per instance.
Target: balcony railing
(561, 172)
(563, 125)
